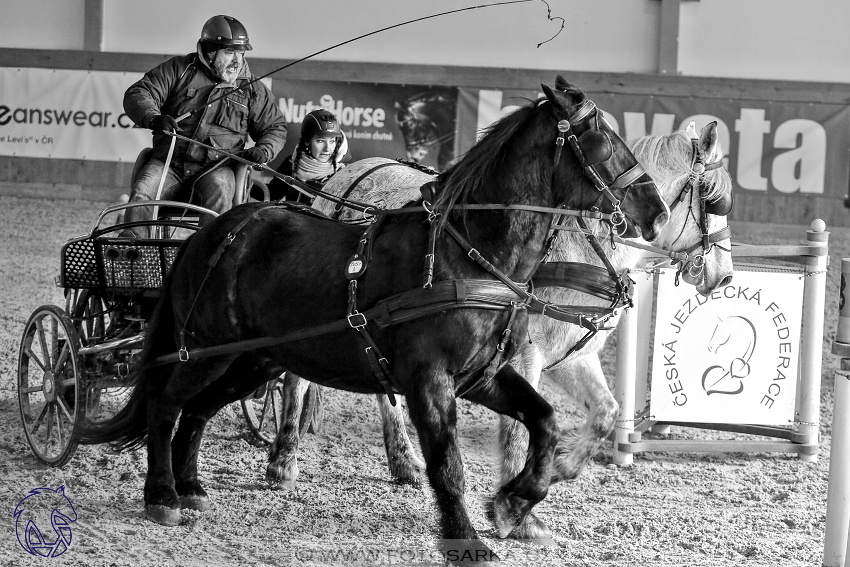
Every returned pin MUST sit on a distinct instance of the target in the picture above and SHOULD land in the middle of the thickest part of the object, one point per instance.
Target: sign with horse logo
(43, 521)
(730, 357)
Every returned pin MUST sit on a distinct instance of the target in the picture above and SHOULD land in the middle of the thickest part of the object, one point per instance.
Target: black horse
(427, 121)
(263, 271)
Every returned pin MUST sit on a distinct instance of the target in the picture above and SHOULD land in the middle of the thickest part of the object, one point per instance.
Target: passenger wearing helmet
(317, 156)
(206, 84)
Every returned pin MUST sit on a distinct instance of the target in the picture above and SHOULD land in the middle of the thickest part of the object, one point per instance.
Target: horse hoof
(504, 517)
(533, 529)
(407, 474)
(194, 502)
(163, 515)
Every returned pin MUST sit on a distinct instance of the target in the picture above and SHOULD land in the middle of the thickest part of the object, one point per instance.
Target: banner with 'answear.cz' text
(67, 114)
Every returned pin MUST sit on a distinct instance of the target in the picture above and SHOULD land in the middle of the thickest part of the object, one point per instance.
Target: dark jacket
(183, 84)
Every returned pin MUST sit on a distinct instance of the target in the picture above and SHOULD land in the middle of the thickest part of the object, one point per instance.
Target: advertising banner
(731, 357)
(67, 114)
(771, 148)
(393, 121)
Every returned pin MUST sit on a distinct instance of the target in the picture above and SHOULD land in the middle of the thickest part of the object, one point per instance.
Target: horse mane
(463, 180)
(674, 152)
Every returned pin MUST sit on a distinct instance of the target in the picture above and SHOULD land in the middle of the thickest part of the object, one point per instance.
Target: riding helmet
(320, 122)
(225, 31)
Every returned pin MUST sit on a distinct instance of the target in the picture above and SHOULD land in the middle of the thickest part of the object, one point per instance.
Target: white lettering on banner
(800, 169)
(635, 123)
(347, 115)
(810, 155)
(730, 357)
(67, 114)
(751, 128)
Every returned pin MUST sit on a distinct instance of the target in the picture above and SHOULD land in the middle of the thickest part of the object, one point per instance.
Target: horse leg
(244, 376)
(283, 455)
(403, 462)
(584, 381)
(513, 439)
(509, 394)
(162, 503)
(433, 411)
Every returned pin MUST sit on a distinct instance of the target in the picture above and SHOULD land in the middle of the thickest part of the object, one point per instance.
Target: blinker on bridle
(592, 148)
(721, 206)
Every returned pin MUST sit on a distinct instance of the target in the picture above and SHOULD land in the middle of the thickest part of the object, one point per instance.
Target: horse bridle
(721, 206)
(592, 148)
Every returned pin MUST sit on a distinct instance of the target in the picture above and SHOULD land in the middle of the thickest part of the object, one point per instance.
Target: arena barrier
(835, 545)
(634, 336)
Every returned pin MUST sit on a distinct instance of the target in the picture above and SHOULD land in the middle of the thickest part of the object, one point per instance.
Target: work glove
(254, 154)
(163, 123)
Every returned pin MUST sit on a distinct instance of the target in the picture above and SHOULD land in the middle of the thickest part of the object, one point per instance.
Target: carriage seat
(241, 170)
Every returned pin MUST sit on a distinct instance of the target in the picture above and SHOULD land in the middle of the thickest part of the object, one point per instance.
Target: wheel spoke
(28, 351)
(58, 427)
(49, 426)
(65, 409)
(54, 338)
(262, 419)
(275, 417)
(37, 423)
(62, 358)
(41, 339)
(31, 389)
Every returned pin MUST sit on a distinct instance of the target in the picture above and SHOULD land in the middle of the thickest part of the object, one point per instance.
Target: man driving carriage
(203, 84)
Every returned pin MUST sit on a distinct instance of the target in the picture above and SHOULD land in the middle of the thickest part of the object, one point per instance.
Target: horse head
(427, 121)
(698, 189)
(740, 336)
(607, 162)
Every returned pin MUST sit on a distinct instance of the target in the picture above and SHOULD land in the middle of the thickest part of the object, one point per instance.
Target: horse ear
(553, 98)
(691, 130)
(565, 87)
(708, 139)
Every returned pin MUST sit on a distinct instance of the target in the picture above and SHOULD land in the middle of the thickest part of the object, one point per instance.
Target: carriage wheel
(107, 374)
(264, 413)
(91, 319)
(49, 376)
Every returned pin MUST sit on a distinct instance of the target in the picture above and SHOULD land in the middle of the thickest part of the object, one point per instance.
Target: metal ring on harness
(367, 216)
(357, 326)
(696, 265)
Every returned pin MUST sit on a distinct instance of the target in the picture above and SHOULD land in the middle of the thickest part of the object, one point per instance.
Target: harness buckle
(355, 326)
(183, 354)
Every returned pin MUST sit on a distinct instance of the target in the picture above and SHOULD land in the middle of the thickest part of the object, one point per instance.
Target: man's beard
(226, 72)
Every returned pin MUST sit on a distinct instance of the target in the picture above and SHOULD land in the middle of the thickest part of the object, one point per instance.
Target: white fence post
(838, 493)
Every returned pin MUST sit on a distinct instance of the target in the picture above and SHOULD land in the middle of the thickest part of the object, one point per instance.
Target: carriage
(75, 363)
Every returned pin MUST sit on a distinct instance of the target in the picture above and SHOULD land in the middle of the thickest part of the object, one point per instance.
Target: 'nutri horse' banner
(731, 357)
(408, 122)
(67, 114)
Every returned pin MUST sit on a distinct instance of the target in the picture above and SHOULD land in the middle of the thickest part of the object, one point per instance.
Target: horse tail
(128, 429)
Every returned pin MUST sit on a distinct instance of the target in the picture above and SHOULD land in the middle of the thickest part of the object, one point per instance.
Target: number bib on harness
(355, 267)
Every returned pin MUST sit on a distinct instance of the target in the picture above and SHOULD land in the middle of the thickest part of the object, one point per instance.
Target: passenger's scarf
(310, 168)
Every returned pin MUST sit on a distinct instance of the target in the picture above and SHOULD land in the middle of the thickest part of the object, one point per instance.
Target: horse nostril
(726, 281)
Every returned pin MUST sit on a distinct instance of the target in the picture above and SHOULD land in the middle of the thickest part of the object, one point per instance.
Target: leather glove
(162, 123)
(254, 154)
